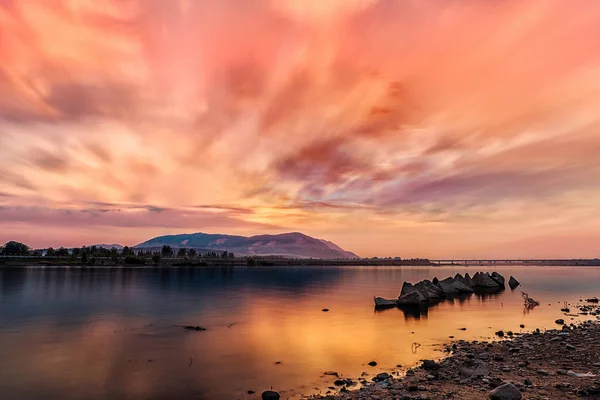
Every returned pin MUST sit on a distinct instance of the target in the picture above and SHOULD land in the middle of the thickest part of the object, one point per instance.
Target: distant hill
(108, 246)
(293, 244)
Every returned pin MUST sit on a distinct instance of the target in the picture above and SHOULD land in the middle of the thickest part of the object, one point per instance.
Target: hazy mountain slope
(287, 244)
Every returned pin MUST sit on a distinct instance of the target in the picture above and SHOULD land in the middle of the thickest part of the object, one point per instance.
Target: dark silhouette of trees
(156, 259)
(13, 248)
(62, 252)
(181, 252)
(127, 251)
(192, 253)
(50, 252)
(166, 251)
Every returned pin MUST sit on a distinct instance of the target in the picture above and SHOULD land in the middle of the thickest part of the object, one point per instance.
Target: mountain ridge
(290, 244)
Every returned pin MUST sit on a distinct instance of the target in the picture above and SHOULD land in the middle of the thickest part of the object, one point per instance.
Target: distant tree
(93, 250)
(224, 255)
(76, 252)
(182, 252)
(231, 255)
(50, 252)
(62, 252)
(166, 251)
(127, 251)
(156, 259)
(37, 253)
(84, 257)
(192, 253)
(13, 248)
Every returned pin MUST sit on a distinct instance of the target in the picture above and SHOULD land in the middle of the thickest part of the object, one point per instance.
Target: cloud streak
(360, 121)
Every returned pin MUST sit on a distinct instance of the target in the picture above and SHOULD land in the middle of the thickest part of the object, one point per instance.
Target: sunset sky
(431, 128)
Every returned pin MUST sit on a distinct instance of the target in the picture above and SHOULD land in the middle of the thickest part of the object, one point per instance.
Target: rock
(484, 280)
(381, 377)
(270, 395)
(508, 391)
(432, 292)
(592, 300)
(513, 283)
(194, 328)
(560, 321)
(461, 286)
(380, 302)
(473, 368)
(466, 282)
(498, 278)
(327, 309)
(430, 365)
(339, 382)
(250, 392)
(331, 373)
(409, 295)
(448, 288)
(373, 363)
(500, 333)
(543, 372)
(561, 372)
(469, 280)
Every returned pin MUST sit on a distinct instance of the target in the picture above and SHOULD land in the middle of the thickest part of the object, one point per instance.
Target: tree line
(88, 254)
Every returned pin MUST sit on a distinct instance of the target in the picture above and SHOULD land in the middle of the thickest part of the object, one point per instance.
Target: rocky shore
(557, 364)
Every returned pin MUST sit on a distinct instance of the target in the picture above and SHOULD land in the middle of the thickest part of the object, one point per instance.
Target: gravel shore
(556, 364)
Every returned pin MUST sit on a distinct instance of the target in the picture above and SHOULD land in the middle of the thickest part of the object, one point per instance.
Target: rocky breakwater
(426, 292)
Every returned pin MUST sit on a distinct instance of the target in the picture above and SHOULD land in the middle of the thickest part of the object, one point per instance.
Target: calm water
(109, 333)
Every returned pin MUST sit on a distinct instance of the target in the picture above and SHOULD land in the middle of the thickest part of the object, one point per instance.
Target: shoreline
(539, 365)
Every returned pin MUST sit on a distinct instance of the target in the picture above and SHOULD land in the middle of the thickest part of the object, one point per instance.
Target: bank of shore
(555, 364)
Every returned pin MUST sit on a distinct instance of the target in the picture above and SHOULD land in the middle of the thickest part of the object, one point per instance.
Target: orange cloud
(359, 121)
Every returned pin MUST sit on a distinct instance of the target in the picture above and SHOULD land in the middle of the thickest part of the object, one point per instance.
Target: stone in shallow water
(270, 395)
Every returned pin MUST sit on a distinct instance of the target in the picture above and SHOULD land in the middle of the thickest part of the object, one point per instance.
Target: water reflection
(110, 333)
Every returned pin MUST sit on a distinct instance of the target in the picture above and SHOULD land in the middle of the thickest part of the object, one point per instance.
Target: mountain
(109, 246)
(286, 244)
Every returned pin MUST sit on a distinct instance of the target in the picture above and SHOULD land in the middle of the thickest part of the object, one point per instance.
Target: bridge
(474, 262)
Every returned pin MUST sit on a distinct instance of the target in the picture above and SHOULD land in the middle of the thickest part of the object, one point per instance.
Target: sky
(413, 128)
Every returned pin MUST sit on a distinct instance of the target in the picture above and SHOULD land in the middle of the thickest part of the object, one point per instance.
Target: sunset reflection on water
(111, 333)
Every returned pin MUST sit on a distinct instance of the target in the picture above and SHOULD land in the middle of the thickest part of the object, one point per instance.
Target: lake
(115, 333)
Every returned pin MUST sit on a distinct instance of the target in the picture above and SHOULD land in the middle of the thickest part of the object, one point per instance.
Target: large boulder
(380, 302)
(432, 292)
(498, 278)
(513, 283)
(411, 299)
(508, 391)
(461, 279)
(484, 280)
(461, 286)
(409, 295)
(447, 286)
(469, 280)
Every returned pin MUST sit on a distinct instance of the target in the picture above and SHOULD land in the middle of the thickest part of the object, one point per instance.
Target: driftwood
(529, 302)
